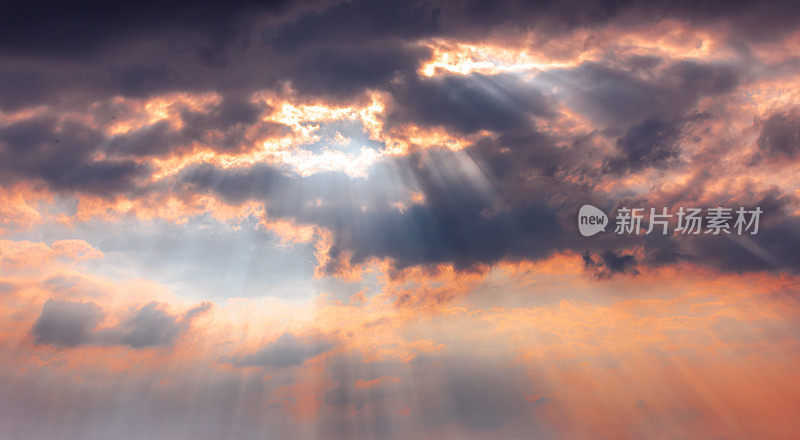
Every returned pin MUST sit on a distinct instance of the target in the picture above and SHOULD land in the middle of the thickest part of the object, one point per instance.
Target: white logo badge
(591, 220)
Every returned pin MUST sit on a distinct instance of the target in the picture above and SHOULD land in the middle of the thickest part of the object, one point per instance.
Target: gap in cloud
(202, 258)
(340, 145)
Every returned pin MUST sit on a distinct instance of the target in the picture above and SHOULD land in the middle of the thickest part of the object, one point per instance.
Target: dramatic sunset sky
(358, 220)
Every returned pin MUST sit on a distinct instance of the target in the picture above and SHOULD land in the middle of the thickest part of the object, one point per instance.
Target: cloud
(66, 324)
(83, 27)
(769, 250)
(286, 351)
(559, 136)
(148, 327)
(608, 263)
(651, 143)
(233, 126)
(481, 206)
(325, 48)
(455, 224)
(780, 135)
(340, 72)
(469, 103)
(69, 324)
(171, 135)
(60, 153)
(616, 97)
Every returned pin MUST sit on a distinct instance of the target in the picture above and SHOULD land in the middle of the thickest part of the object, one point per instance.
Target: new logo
(591, 220)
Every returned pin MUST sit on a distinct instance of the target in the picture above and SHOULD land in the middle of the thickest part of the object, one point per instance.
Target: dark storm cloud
(70, 156)
(648, 105)
(607, 263)
(20, 88)
(61, 155)
(462, 220)
(701, 79)
(780, 135)
(769, 250)
(773, 248)
(286, 351)
(486, 204)
(59, 27)
(60, 50)
(509, 196)
(509, 157)
(651, 143)
(341, 72)
(156, 139)
(615, 97)
(141, 65)
(232, 111)
(66, 324)
(232, 126)
(469, 103)
(351, 22)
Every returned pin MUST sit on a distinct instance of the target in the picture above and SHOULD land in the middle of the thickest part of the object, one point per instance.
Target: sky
(360, 219)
